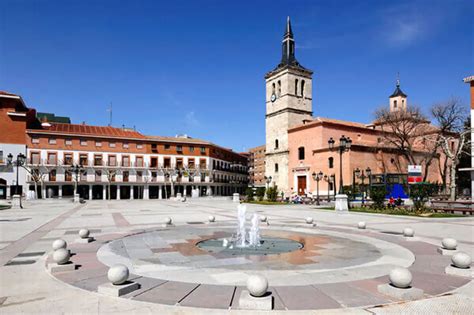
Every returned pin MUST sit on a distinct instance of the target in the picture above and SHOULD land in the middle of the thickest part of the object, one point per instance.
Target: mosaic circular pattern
(175, 254)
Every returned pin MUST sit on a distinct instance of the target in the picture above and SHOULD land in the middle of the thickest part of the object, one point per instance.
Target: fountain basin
(267, 246)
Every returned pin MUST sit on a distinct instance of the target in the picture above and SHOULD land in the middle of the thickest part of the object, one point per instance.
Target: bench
(464, 207)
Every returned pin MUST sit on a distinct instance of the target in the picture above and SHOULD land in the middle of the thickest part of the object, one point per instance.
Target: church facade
(289, 102)
(297, 143)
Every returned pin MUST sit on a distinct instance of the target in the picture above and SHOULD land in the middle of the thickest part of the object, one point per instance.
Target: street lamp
(268, 180)
(77, 169)
(360, 174)
(344, 146)
(317, 177)
(20, 161)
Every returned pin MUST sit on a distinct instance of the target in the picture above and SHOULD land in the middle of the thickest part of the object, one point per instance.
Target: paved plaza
(337, 269)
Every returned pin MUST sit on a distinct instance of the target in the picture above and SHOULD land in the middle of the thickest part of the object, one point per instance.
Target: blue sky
(197, 67)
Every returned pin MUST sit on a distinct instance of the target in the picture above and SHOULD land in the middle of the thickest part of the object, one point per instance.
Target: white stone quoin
(400, 286)
(341, 205)
(61, 261)
(16, 202)
(408, 232)
(119, 284)
(84, 237)
(448, 246)
(256, 296)
(118, 274)
(461, 265)
(59, 243)
(236, 197)
(361, 225)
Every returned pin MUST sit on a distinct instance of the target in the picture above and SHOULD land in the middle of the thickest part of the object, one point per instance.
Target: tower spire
(288, 46)
(288, 31)
(288, 59)
(398, 79)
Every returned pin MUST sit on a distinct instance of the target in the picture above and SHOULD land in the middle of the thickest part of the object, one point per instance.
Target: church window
(331, 162)
(273, 88)
(302, 87)
(403, 103)
(276, 167)
(296, 86)
(395, 104)
(276, 144)
(301, 153)
(279, 88)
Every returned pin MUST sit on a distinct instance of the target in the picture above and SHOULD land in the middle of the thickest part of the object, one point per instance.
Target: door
(301, 185)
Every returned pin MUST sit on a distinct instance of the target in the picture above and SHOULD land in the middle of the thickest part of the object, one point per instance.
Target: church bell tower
(288, 103)
(398, 99)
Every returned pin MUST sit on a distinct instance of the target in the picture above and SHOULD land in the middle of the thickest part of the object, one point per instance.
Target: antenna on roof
(110, 115)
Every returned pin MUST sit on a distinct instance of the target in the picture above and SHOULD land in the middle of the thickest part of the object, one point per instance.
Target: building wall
(14, 118)
(290, 108)
(257, 166)
(9, 172)
(219, 169)
(364, 153)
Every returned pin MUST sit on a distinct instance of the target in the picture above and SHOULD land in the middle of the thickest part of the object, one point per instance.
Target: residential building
(104, 161)
(256, 165)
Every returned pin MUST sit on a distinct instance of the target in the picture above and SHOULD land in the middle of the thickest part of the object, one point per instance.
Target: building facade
(470, 80)
(102, 162)
(256, 166)
(15, 117)
(288, 103)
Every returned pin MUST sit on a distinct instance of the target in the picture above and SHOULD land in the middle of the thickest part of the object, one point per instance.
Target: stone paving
(333, 275)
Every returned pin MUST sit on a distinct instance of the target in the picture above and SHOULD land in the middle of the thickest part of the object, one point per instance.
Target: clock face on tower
(273, 98)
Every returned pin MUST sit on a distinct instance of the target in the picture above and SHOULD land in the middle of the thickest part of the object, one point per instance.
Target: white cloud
(191, 120)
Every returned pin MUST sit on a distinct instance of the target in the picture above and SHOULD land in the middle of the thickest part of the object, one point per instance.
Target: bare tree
(110, 175)
(408, 133)
(452, 136)
(37, 176)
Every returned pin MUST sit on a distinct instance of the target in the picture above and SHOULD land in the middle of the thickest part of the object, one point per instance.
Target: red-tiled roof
(97, 131)
(319, 120)
(7, 93)
(178, 139)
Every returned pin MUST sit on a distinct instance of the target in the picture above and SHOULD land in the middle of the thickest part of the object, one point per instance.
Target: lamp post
(268, 180)
(317, 177)
(344, 146)
(20, 161)
(77, 169)
(333, 181)
(360, 174)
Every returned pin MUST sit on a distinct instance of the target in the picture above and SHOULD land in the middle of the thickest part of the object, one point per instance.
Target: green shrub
(272, 193)
(377, 194)
(420, 193)
(249, 193)
(260, 193)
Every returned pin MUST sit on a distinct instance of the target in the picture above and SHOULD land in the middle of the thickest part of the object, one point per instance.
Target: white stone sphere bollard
(257, 285)
(449, 243)
(84, 233)
(461, 260)
(400, 277)
(118, 274)
(361, 225)
(59, 243)
(263, 218)
(61, 256)
(212, 218)
(168, 220)
(309, 220)
(408, 232)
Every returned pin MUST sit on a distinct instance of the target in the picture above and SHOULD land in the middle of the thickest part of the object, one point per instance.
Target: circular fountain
(249, 241)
